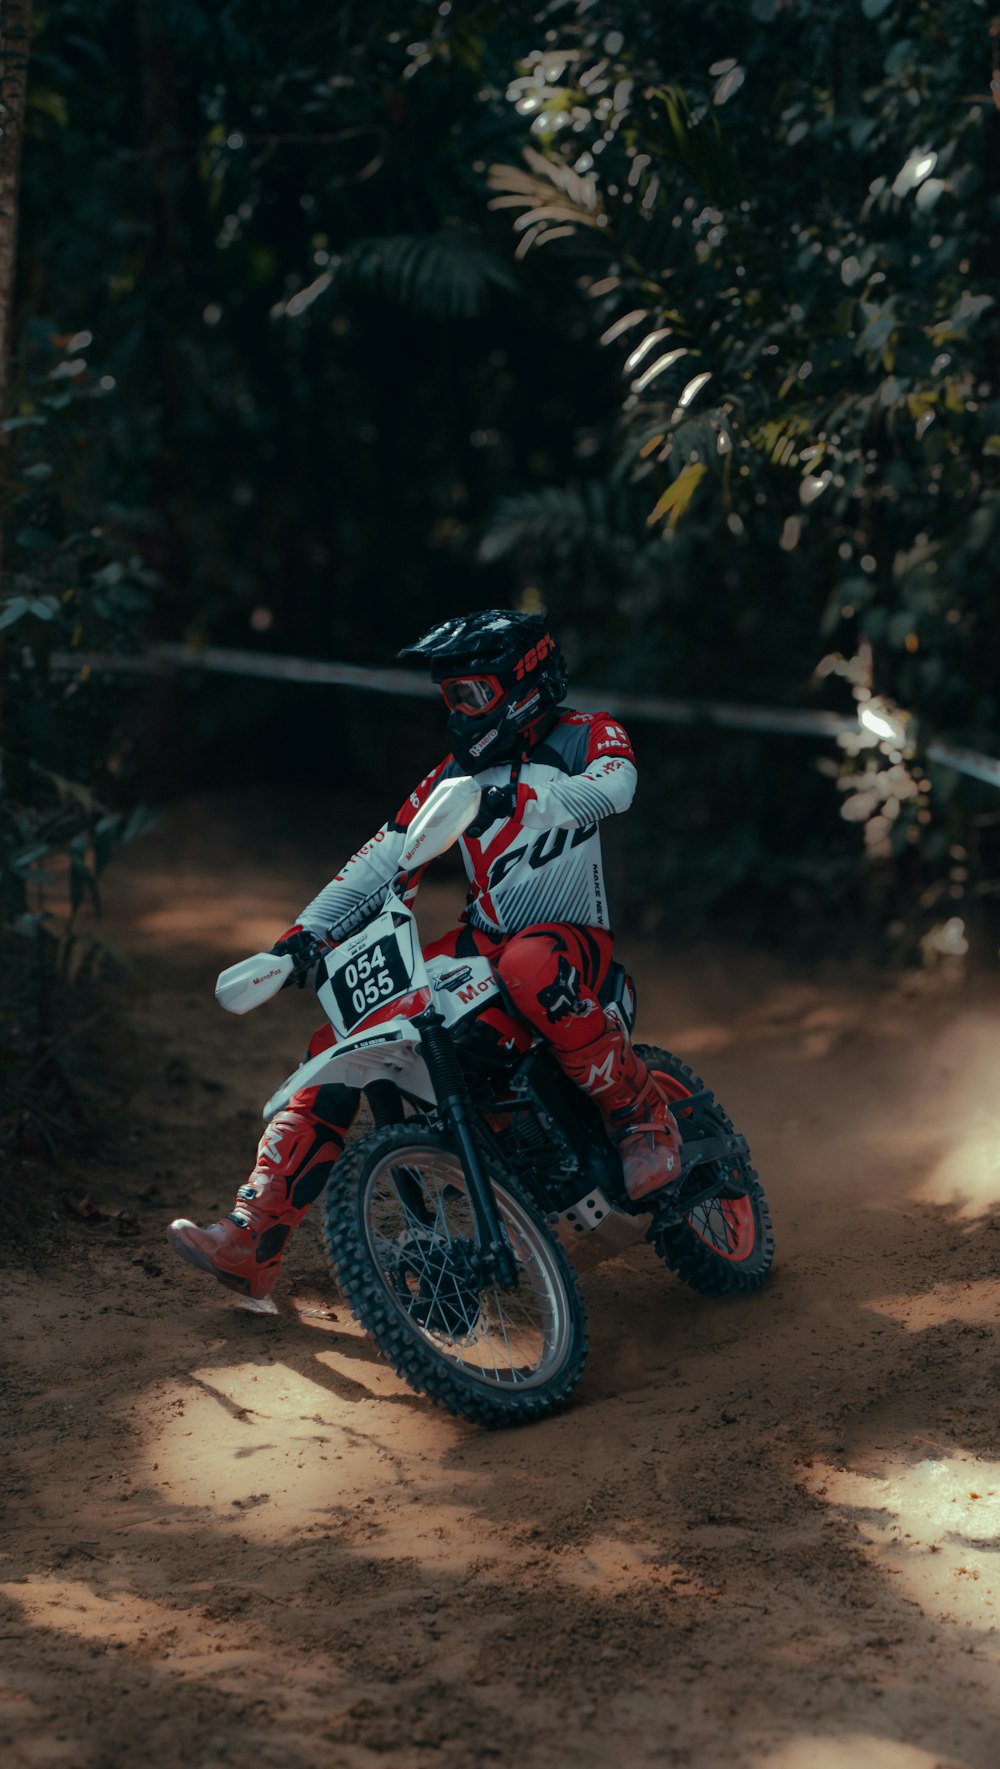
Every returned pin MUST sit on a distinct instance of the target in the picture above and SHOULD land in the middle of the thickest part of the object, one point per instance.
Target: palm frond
(562, 522)
(696, 142)
(443, 275)
(551, 196)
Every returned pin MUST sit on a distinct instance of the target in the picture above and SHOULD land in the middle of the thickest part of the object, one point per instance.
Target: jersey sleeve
(359, 889)
(605, 784)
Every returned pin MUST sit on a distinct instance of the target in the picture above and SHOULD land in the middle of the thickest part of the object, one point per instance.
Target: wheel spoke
(429, 1260)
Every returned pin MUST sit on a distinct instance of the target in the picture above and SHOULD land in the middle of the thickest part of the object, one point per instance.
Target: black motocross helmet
(499, 672)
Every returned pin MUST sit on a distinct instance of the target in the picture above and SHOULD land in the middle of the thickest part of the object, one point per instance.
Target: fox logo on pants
(563, 996)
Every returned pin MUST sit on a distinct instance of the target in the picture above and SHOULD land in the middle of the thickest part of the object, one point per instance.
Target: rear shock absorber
(386, 1105)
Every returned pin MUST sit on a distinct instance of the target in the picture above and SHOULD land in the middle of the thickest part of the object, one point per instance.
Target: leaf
(13, 611)
(875, 8)
(677, 497)
(699, 146)
(729, 84)
(578, 191)
(139, 820)
(110, 574)
(48, 104)
(879, 329)
(29, 857)
(43, 607)
(552, 517)
(445, 275)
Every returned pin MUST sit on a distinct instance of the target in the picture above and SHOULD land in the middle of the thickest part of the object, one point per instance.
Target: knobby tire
(365, 1289)
(679, 1244)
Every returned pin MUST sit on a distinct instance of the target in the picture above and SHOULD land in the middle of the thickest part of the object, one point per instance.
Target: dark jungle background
(678, 322)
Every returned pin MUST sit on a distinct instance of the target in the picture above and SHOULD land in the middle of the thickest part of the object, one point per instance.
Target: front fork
(456, 1113)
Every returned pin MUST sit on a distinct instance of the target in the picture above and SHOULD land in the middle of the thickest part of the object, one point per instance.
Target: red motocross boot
(638, 1117)
(244, 1250)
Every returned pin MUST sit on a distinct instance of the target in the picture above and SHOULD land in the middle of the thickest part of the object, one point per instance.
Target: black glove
(496, 802)
(303, 948)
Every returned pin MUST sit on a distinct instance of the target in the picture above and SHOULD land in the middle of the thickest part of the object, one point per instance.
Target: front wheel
(725, 1245)
(400, 1235)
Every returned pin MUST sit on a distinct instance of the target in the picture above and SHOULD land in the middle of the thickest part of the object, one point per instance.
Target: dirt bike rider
(536, 907)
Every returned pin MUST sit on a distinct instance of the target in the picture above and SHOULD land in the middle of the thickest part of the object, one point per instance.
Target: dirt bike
(445, 1225)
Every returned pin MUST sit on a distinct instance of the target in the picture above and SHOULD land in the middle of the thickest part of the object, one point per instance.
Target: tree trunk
(15, 43)
(15, 46)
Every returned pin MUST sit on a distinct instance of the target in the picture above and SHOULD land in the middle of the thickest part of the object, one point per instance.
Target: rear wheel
(725, 1245)
(400, 1235)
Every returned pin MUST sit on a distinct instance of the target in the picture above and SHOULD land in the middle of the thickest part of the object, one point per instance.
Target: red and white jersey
(541, 864)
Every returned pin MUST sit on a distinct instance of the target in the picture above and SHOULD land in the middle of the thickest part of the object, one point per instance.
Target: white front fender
(391, 1053)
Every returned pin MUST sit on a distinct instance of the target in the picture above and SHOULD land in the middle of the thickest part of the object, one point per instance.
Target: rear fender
(390, 1053)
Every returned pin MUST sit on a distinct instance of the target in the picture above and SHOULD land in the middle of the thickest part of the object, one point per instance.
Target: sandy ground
(764, 1533)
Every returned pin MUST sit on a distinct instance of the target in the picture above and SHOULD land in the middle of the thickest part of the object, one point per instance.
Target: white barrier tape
(964, 761)
(166, 655)
(414, 683)
(725, 715)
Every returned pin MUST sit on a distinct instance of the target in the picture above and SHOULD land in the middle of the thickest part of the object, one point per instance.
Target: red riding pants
(551, 976)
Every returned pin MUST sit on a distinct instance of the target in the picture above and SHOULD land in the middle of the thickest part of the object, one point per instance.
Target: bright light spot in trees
(813, 486)
(881, 723)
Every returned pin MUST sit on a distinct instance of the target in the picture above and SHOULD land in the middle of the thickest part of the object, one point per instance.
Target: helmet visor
(471, 695)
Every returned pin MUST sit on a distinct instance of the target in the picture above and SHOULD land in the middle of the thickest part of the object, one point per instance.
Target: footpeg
(713, 1148)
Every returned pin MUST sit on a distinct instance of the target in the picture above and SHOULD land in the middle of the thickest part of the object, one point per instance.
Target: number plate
(370, 978)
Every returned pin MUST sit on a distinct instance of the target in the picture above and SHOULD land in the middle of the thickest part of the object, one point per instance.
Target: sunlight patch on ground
(855, 1750)
(936, 1526)
(974, 1303)
(71, 1607)
(270, 1452)
(261, 1438)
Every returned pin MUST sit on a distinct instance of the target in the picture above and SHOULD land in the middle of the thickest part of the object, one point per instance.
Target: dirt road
(763, 1534)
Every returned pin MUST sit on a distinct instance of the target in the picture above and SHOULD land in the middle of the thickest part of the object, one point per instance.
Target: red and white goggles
(472, 695)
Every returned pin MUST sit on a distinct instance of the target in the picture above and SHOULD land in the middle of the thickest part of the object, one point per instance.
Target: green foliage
(687, 315)
(444, 275)
(73, 583)
(796, 270)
